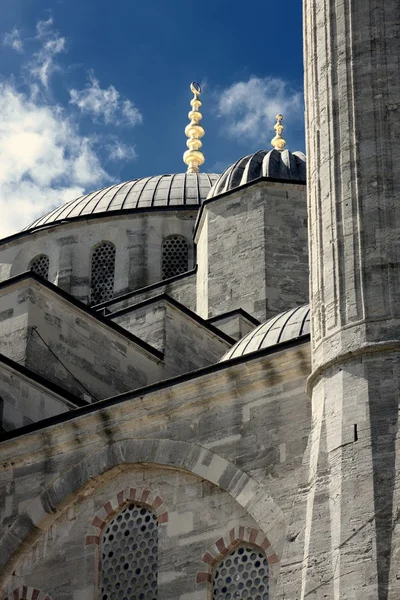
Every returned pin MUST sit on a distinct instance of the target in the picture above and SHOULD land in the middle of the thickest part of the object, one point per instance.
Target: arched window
(129, 555)
(242, 574)
(102, 273)
(175, 256)
(40, 265)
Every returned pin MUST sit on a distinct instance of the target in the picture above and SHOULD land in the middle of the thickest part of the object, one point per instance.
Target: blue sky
(97, 91)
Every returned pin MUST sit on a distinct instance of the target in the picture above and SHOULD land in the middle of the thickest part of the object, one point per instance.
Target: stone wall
(14, 323)
(236, 323)
(186, 340)
(137, 238)
(181, 288)
(222, 448)
(352, 91)
(198, 514)
(69, 346)
(147, 322)
(252, 251)
(24, 400)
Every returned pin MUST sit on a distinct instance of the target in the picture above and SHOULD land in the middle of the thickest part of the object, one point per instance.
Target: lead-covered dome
(286, 326)
(274, 164)
(182, 189)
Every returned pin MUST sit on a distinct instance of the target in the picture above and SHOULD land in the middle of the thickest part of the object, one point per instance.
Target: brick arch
(82, 478)
(224, 545)
(117, 502)
(27, 593)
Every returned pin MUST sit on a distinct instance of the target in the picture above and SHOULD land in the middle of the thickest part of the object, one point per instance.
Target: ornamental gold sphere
(193, 157)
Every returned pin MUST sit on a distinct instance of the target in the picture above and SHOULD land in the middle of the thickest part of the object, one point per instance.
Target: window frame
(96, 247)
(41, 255)
(231, 552)
(164, 241)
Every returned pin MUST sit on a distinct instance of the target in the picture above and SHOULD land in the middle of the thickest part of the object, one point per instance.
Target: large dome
(182, 189)
(284, 327)
(273, 164)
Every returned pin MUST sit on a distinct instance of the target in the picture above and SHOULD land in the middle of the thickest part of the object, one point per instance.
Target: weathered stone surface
(232, 453)
(24, 400)
(237, 324)
(252, 251)
(186, 342)
(182, 288)
(352, 86)
(68, 346)
(209, 454)
(137, 238)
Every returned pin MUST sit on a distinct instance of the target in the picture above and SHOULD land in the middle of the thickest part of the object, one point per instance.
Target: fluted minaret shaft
(352, 89)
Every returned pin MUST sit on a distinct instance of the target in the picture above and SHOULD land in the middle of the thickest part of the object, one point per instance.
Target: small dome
(273, 164)
(149, 192)
(284, 327)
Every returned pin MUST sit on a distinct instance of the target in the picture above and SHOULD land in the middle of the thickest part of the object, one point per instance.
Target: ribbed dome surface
(149, 192)
(282, 328)
(274, 164)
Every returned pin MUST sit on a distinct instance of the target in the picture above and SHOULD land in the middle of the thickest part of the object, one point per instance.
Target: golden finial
(278, 142)
(194, 157)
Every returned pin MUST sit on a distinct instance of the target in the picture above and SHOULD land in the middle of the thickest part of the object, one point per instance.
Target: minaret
(352, 89)
(193, 157)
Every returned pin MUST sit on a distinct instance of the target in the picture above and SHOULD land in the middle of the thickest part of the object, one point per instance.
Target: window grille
(40, 265)
(129, 556)
(102, 276)
(241, 574)
(175, 256)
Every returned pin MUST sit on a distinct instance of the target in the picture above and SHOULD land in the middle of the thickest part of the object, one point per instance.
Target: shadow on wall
(83, 478)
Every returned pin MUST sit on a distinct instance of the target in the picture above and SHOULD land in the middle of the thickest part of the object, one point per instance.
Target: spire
(278, 142)
(194, 157)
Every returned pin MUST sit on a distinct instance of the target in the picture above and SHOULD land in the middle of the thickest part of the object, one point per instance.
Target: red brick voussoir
(224, 545)
(142, 496)
(27, 593)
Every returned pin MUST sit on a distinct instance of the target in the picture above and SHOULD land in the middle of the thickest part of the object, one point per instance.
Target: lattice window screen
(40, 265)
(241, 574)
(175, 256)
(102, 277)
(129, 556)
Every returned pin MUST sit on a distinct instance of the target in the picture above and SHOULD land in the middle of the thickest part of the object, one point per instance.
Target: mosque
(169, 429)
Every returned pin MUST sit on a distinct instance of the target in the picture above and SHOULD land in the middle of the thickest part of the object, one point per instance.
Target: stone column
(352, 88)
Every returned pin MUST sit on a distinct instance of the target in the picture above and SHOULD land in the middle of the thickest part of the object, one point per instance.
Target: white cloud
(13, 40)
(132, 115)
(249, 107)
(44, 28)
(43, 63)
(120, 151)
(105, 104)
(43, 159)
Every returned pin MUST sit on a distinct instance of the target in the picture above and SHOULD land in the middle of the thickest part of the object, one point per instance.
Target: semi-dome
(181, 189)
(284, 327)
(275, 164)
